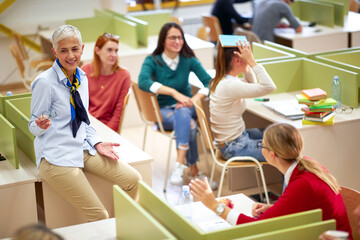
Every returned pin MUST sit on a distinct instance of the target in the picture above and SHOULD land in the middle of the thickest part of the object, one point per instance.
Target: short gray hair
(63, 32)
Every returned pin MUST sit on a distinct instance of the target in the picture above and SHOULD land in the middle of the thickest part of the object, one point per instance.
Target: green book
(323, 102)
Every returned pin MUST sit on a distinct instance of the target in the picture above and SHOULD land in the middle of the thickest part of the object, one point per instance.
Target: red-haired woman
(108, 82)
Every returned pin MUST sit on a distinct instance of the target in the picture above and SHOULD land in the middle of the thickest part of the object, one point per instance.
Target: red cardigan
(107, 94)
(304, 192)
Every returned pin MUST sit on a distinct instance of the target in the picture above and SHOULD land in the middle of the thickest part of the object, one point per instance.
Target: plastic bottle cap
(8, 93)
(185, 188)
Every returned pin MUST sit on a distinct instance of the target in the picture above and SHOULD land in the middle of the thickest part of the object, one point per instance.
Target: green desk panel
(8, 145)
(263, 53)
(141, 26)
(18, 113)
(4, 98)
(321, 13)
(133, 222)
(182, 228)
(302, 73)
(301, 232)
(289, 50)
(155, 18)
(92, 28)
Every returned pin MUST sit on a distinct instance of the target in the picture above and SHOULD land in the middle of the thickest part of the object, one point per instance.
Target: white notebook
(290, 109)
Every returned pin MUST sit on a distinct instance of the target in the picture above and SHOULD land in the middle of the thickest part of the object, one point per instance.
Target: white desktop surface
(106, 229)
(315, 39)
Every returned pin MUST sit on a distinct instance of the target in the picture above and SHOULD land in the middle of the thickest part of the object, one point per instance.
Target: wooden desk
(313, 39)
(59, 212)
(17, 195)
(335, 147)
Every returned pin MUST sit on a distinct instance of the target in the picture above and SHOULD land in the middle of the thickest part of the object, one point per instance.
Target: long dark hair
(185, 51)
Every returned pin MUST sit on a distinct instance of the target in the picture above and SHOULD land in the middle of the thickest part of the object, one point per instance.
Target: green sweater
(152, 71)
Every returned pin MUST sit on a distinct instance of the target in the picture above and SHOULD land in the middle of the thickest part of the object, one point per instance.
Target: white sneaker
(202, 176)
(177, 176)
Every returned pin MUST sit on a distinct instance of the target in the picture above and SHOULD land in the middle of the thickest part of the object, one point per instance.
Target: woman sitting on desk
(308, 185)
(108, 82)
(166, 73)
(66, 145)
(227, 100)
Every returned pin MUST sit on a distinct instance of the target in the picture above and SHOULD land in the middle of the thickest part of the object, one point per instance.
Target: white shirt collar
(289, 172)
(171, 63)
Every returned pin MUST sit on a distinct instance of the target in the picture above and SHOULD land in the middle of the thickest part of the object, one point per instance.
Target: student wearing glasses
(166, 73)
(66, 145)
(309, 185)
(108, 82)
(227, 100)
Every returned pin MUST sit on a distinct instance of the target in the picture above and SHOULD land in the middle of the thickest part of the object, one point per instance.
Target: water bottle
(8, 93)
(186, 202)
(336, 90)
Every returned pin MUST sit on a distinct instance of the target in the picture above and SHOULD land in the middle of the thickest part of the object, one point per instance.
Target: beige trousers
(71, 183)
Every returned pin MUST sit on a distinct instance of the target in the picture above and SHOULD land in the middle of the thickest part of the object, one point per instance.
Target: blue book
(231, 40)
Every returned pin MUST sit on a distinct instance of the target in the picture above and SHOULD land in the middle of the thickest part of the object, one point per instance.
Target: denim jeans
(244, 145)
(180, 121)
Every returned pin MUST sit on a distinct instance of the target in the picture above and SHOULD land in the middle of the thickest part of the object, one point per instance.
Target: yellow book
(328, 122)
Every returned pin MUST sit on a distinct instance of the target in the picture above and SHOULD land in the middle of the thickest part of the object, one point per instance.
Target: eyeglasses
(173, 38)
(344, 109)
(46, 114)
(109, 36)
(260, 145)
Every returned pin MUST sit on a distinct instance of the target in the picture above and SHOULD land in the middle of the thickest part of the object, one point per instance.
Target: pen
(262, 99)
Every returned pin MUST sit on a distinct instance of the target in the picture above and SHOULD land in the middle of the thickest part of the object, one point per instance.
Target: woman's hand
(183, 101)
(202, 191)
(259, 208)
(245, 53)
(43, 122)
(106, 149)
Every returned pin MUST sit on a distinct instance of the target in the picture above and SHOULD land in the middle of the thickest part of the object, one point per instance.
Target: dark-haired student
(166, 73)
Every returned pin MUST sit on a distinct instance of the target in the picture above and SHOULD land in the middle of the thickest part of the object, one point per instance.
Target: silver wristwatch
(220, 209)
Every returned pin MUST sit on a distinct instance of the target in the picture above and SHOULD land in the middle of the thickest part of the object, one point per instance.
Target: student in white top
(227, 100)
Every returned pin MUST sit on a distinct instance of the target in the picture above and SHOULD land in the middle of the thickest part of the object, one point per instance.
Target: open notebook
(289, 109)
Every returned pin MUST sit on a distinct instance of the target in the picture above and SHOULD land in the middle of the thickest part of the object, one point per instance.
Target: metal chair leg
(167, 165)
(144, 139)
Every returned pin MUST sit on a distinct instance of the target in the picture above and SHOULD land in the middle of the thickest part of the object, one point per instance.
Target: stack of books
(319, 109)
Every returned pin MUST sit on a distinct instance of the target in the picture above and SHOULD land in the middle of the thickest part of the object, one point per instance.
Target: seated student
(267, 17)
(166, 73)
(308, 184)
(226, 13)
(108, 82)
(66, 145)
(227, 100)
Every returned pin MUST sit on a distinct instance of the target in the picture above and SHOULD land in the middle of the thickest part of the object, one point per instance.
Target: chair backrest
(178, 20)
(204, 126)
(126, 100)
(19, 61)
(351, 199)
(212, 22)
(22, 50)
(148, 105)
(202, 33)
